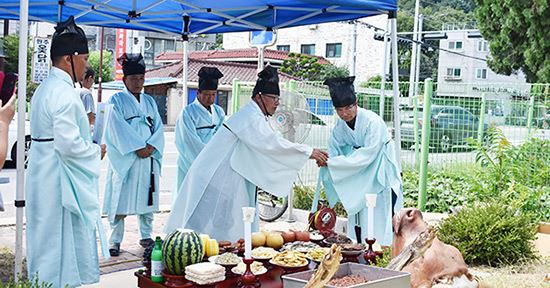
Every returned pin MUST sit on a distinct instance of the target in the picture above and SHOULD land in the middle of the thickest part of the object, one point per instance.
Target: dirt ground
(534, 274)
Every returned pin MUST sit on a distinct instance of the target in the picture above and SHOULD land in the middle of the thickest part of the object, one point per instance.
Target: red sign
(120, 49)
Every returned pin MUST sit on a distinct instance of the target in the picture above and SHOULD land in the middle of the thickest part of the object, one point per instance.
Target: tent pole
(395, 78)
(185, 60)
(100, 72)
(384, 68)
(261, 58)
(21, 107)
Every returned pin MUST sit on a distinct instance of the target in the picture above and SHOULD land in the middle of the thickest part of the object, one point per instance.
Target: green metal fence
(458, 112)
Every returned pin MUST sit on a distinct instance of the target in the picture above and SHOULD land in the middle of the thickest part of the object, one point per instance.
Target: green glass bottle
(156, 262)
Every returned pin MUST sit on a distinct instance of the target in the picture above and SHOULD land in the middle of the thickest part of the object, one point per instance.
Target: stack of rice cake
(205, 273)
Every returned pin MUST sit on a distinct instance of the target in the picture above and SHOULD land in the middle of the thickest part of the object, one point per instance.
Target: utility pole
(415, 47)
(418, 56)
(354, 49)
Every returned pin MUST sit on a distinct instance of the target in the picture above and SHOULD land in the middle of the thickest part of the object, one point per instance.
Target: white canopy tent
(183, 17)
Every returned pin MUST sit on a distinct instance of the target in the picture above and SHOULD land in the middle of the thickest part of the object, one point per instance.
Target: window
(481, 73)
(482, 46)
(285, 48)
(455, 45)
(169, 45)
(308, 49)
(454, 72)
(334, 50)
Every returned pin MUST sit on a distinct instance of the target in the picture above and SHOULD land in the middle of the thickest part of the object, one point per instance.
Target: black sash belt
(207, 127)
(152, 175)
(227, 127)
(42, 139)
(128, 119)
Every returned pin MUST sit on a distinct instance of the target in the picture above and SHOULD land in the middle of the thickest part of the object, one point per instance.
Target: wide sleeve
(189, 136)
(362, 157)
(79, 158)
(360, 172)
(157, 138)
(121, 137)
(268, 160)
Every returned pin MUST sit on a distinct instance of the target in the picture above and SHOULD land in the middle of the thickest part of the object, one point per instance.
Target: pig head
(441, 264)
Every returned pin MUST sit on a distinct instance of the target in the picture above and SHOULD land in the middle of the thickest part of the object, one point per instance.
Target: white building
(454, 68)
(332, 41)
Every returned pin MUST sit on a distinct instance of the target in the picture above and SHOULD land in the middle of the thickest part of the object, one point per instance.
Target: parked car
(12, 140)
(449, 126)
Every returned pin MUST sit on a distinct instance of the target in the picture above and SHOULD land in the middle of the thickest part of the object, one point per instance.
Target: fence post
(426, 116)
(235, 96)
(530, 116)
(292, 85)
(416, 131)
(481, 120)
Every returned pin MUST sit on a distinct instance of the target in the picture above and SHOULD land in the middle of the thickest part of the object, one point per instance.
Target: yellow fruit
(258, 239)
(204, 240)
(275, 240)
(212, 249)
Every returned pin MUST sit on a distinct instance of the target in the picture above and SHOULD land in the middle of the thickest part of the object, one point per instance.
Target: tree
(108, 65)
(303, 66)
(333, 71)
(518, 36)
(446, 11)
(11, 48)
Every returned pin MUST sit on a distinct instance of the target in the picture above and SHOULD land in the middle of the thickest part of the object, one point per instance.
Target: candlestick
(248, 217)
(371, 203)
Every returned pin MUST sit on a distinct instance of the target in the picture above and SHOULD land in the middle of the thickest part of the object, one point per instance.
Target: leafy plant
(447, 189)
(303, 197)
(303, 66)
(7, 264)
(26, 283)
(385, 259)
(10, 44)
(491, 234)
(107, 67)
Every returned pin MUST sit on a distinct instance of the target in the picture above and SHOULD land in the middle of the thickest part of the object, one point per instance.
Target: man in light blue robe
(362, 161)
(244, 154)
(135, 142)
(198, 122)
(62, 177)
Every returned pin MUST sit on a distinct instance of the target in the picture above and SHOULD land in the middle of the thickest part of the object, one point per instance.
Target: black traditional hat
(268, 82)
(68, 39)
(341, 91)
(132, 63)
(208, 78)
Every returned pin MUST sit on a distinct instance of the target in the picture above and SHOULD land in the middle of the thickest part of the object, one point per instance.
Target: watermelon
(181, 248)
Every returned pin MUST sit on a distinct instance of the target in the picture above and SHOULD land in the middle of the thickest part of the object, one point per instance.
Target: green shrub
(26, 283)
(7, 264)
(303, 197)
(491, 234)
(385, 259)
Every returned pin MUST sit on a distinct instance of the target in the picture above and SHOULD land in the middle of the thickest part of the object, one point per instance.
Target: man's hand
(143, 152)
(321, 157)
(103, 150)
(7, 111)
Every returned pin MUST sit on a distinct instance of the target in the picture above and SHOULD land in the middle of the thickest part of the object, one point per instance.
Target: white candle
(248, 217)
(371, 203)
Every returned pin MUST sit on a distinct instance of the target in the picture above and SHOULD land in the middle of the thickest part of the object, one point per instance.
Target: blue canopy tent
(183, 17)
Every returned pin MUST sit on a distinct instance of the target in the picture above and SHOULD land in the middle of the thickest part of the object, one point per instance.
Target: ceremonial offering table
(271, 279)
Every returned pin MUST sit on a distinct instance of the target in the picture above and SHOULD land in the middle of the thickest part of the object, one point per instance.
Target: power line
(378, 29)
